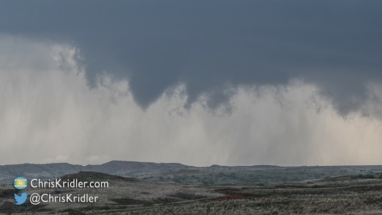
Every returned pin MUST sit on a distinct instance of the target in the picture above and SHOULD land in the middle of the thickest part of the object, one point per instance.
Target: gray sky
(236, 82)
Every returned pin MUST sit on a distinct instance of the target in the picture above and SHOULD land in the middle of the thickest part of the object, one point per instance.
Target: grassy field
(348, 194)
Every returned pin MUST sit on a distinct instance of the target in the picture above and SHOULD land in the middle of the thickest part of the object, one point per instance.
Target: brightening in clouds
(50, 113)
(197, 82)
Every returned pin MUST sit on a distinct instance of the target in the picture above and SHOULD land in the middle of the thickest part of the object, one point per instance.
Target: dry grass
(344, 195)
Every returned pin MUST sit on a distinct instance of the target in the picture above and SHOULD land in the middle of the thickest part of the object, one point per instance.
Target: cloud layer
(209, 45)
(48, 113)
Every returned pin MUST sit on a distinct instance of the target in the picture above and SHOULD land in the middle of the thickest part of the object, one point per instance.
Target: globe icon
(20, 183)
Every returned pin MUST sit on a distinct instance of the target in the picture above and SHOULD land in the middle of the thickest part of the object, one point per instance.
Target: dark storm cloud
(207, 45)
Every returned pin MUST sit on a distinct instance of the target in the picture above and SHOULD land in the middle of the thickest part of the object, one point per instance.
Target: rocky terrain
(354, 194)
(157, 189)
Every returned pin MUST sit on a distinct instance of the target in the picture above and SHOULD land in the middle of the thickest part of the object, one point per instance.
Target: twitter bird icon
(21, 199)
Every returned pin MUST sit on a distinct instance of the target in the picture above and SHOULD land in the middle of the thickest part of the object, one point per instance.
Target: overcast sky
(198, 82)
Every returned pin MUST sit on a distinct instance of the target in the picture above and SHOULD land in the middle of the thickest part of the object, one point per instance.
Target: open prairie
(346, 194)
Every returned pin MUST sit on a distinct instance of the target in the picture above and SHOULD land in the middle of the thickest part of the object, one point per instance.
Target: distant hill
(9, 172)
(54, 170)
(95, 176)
(132, 168)
(179, 173)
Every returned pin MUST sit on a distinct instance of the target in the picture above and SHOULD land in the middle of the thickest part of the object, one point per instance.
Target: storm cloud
(215, 47)
(48, 113)
(197, 82)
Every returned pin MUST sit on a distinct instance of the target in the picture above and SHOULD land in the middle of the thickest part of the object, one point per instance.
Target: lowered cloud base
(48, 113)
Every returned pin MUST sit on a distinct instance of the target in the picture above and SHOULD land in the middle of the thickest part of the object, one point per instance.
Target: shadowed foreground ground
(357, 194)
